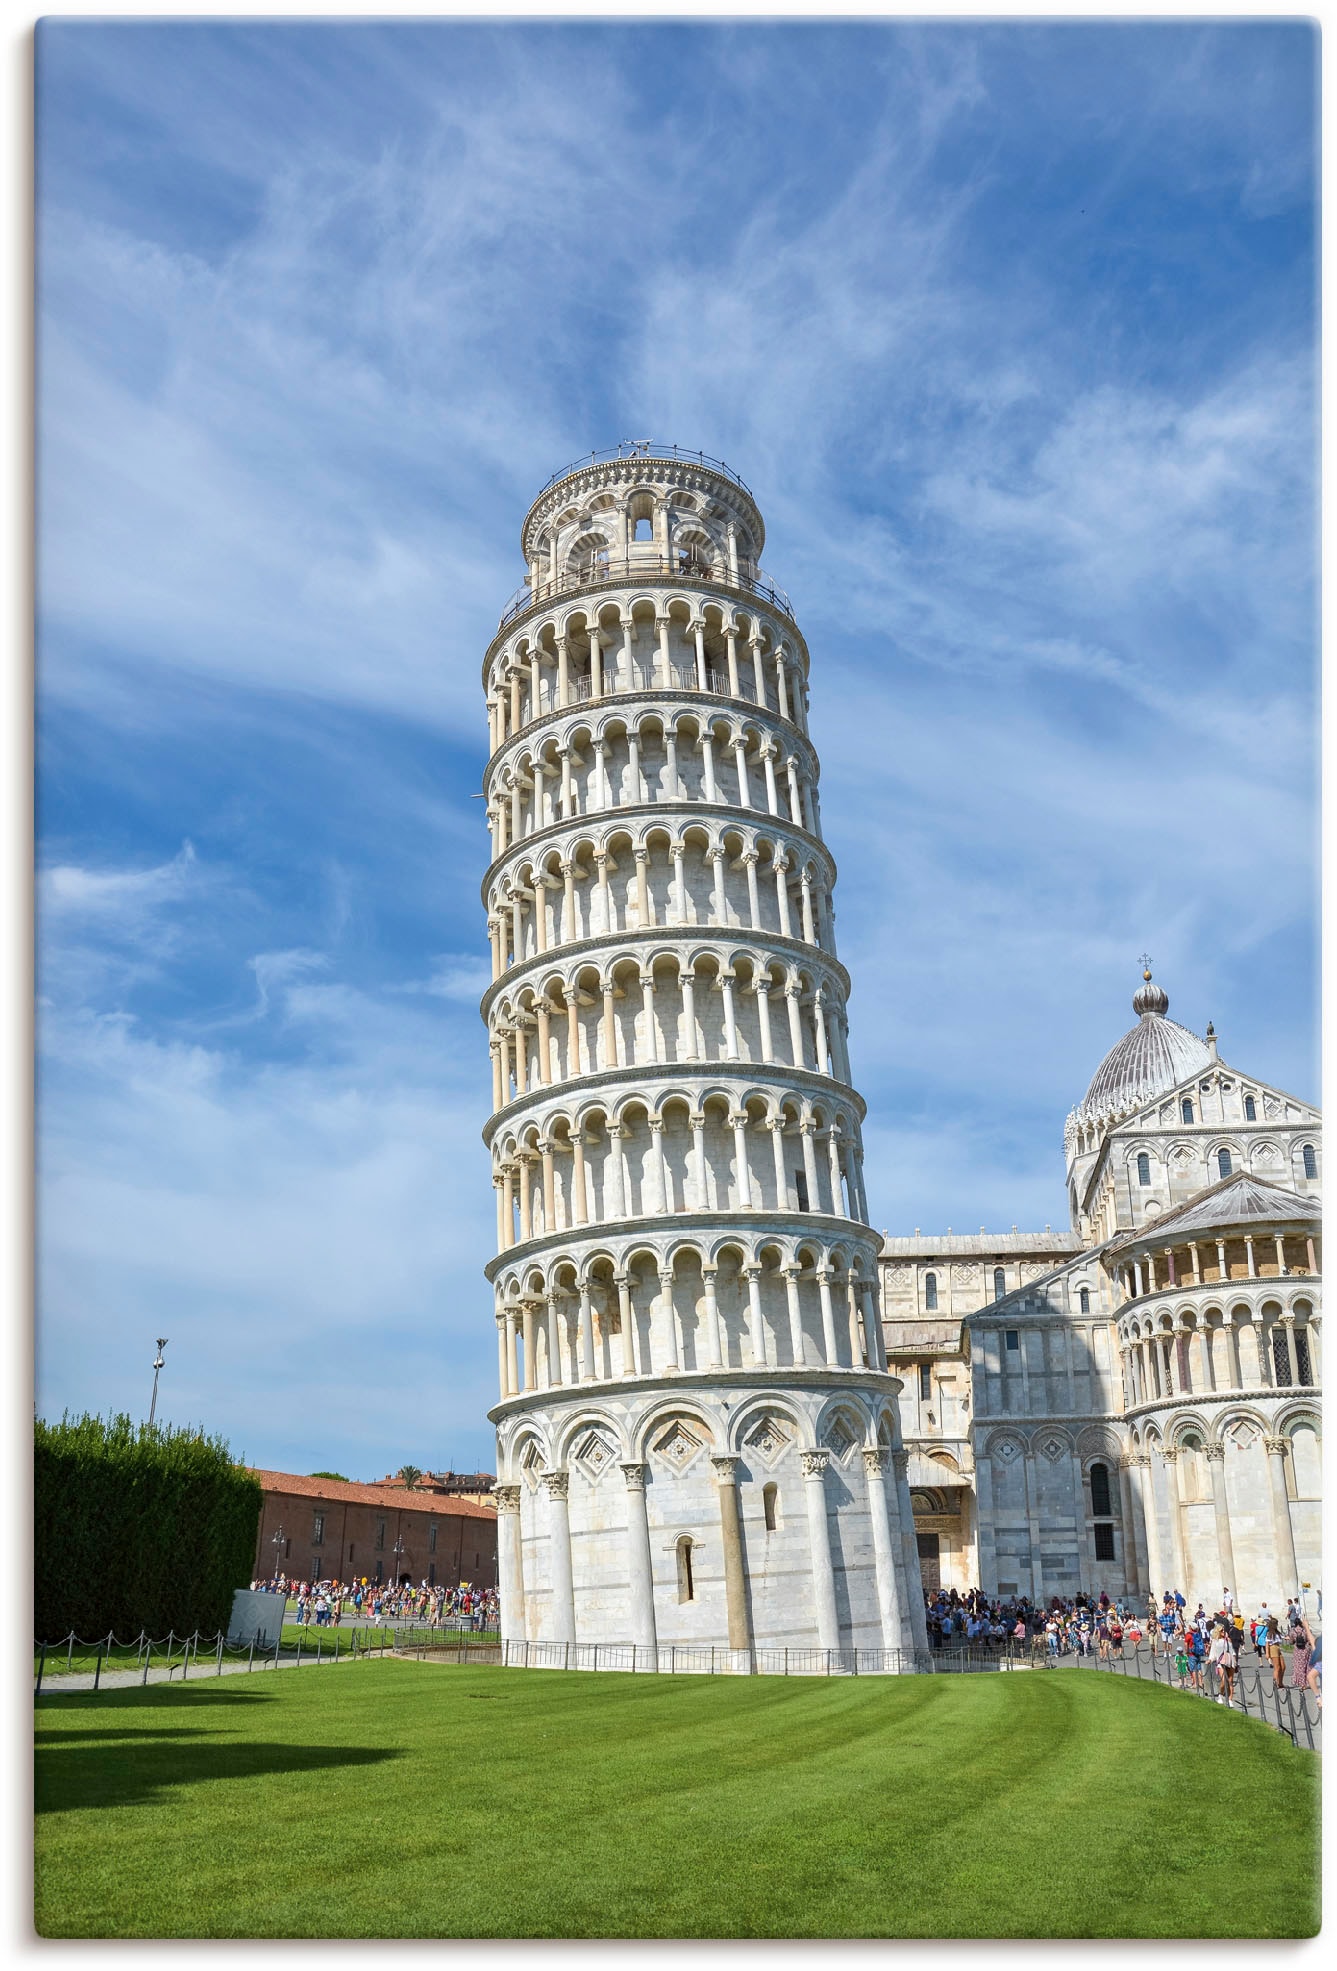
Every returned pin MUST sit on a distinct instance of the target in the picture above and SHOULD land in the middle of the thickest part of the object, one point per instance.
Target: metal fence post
(148, 1652)
(41, 1665)
(277, 1640)
(220, 1652)
(250, 1660)
(97, 1673)
(69, 1653)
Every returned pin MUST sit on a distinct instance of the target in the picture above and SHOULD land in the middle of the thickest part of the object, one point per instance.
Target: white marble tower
(697, 1437)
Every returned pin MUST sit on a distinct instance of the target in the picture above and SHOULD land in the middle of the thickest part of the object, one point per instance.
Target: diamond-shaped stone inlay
(768, 1438)
(1053, 1450)
(839, 1438)
(677, 1446)
(1007, 1450)
(594, 1455)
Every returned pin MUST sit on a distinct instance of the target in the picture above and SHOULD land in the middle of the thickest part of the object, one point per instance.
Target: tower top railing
(601, 571)
(644, 448)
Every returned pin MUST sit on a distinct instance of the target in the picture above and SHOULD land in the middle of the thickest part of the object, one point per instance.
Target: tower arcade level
(698, 1439)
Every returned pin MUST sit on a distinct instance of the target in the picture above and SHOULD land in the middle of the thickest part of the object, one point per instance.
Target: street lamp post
(399, 1551)
(157, 1364)
(277, 1544)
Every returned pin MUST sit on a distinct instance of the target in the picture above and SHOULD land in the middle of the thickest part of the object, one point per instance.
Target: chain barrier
(1296, 1713)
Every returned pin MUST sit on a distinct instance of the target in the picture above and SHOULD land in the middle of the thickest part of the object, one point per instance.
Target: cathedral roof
(1239, 1199)
(1155, 1055)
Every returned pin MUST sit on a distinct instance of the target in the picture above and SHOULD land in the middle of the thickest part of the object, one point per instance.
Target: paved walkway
(198, 1673)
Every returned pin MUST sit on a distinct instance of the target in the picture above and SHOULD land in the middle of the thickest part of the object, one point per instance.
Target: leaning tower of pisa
(697, 1437)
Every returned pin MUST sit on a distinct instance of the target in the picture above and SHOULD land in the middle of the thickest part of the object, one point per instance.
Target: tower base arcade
(730, 1511)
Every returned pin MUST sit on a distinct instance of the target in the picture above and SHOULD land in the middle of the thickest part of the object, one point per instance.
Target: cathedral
(730, 1413)
(1133, 1404)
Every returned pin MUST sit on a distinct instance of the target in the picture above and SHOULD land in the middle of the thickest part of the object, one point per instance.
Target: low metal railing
(702, 1659)
(645, 448)
(606, 569)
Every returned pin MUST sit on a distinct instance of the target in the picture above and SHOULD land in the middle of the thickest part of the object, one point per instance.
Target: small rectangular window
(318, 1536)
(431, 1538)
(1104, 1542)
(925, 1381)
(380, 1533)
(1012, 1338)
(801, 1189)
(350, 1550)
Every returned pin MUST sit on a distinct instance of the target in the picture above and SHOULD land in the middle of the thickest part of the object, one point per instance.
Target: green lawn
(411, 1800)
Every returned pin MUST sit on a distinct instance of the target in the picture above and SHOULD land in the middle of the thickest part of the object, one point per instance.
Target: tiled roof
(1238, 1199)
(1155, 1055)
(347, 1493)
(948, 1245)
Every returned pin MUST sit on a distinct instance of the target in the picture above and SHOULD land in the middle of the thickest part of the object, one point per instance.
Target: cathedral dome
(1153, 1056)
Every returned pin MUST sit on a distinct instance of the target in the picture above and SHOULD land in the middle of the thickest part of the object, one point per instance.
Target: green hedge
(138, 1528)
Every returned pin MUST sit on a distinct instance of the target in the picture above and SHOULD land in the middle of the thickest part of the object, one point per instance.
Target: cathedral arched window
(1186, 1111)
(1311, 1161)
(1084, 1300)
(770, 1499)
(1223, 1162)
(930, 1292)
(1143, 1167)
(1100, 1491)
(1250, 1109)
(999, 1283)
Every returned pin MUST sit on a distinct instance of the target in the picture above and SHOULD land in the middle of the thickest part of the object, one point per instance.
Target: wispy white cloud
(1026, 392)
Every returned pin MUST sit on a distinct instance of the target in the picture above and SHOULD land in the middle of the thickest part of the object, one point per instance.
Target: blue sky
(1010, 328)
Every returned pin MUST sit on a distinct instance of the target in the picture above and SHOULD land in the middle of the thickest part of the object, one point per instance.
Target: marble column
(1135, 1535)
(986, 1556)
(1156, 1581)
(640, 1570)
(557, 1484)
(1178, 1559)
(884, 1564)
(510, 1570)
(814, 1464)
(1216, 1465)
(731, 1532)
(1283, 1534)
(914, 1597)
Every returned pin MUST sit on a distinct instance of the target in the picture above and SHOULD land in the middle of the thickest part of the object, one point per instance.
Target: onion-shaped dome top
(1154, 1055)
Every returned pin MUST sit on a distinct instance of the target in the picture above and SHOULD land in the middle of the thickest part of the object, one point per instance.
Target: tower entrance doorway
(930, 1571)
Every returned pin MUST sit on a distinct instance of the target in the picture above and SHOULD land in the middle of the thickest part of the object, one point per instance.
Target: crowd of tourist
(327, 1604)
(1085, 1625)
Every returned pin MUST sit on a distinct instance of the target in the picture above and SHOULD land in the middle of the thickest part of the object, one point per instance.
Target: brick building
(329, 1529)
(475, 1485)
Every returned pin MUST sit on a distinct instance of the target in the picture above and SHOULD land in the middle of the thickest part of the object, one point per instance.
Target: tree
(338, 1475)
(410, 1475)
(138, 1527)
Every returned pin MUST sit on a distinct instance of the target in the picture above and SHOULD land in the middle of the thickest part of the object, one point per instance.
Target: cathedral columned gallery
(1134, 1404)
(730, 1413)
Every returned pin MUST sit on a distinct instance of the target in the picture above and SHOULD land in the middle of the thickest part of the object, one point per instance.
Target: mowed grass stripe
(403, 1799)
